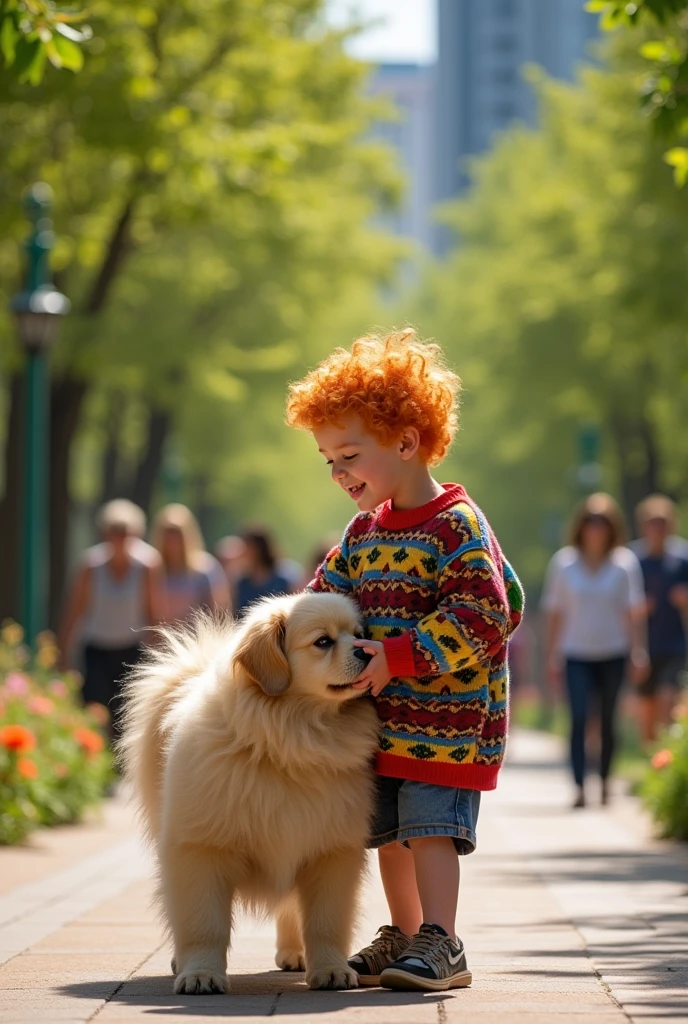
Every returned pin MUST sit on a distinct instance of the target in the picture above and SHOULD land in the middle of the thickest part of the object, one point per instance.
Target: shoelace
(382, 946)
(425, 946)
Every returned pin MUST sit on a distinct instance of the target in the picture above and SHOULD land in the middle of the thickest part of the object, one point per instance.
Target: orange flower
(27, 768)
(91, 741)
(17, 737)
(662, 758)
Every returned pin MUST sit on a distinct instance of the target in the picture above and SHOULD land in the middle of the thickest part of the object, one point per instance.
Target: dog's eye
(323, 642)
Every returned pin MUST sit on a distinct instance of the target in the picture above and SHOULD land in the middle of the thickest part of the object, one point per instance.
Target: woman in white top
(114, 599)
(595, 611)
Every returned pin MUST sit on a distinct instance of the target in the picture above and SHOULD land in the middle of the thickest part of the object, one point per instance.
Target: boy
(439, 603)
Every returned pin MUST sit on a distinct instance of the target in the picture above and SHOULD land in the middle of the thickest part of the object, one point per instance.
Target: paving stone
(565, 917)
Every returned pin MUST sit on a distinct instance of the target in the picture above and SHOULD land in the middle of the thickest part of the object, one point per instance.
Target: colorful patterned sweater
(433, 585)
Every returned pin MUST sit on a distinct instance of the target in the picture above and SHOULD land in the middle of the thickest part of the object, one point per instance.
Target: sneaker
(389, 943)
(432, 961)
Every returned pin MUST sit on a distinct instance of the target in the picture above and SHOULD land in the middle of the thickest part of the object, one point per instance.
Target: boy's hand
(375, 675)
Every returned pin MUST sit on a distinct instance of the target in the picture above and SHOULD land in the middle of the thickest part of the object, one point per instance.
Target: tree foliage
(214, 192)
(563, 306)
(660, 31)
(33, 32)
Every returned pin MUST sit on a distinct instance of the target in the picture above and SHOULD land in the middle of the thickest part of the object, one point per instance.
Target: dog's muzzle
(362, 655)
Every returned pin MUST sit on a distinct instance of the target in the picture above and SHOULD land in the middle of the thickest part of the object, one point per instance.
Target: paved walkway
(576, 917)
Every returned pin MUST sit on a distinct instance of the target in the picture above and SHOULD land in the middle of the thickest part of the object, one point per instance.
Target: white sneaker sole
(392, 977)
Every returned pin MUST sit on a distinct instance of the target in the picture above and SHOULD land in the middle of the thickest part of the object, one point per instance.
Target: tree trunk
(10, 507)
(68, 394)
(110, 483)
(67, 398)
(638, 460)
(652, 456)
(148, 469)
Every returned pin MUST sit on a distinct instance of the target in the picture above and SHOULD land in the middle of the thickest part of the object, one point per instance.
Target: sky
(407, 34)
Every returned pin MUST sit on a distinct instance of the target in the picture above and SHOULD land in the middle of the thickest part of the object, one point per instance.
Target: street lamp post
(589, 472)
(37, 312)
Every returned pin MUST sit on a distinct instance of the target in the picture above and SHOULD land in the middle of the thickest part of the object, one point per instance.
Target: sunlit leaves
(678, 159)
(237, 129)
(663, 82)
(565, 303)
(33, 30)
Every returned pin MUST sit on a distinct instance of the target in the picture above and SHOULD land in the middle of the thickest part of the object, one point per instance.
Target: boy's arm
(333, 575)
(480, 603)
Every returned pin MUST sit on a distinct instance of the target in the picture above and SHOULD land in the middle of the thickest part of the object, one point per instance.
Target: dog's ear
(260, 652)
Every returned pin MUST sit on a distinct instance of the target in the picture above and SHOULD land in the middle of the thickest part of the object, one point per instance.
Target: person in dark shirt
(664, 561)
(262, 577)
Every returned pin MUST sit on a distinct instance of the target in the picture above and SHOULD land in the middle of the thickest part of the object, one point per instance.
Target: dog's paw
(200, 982)
(290, 960)
(334, 977)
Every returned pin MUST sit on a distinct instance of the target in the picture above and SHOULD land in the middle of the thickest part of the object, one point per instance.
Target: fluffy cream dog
(249, 754)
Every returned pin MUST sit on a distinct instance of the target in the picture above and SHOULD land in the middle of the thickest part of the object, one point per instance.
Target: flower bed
(665, 787)
(53, 759)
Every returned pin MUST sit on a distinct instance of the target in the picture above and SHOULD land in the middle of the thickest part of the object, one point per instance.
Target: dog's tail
(179, 653)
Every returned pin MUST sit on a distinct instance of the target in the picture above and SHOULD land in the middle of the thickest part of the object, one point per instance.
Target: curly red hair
(391, 383)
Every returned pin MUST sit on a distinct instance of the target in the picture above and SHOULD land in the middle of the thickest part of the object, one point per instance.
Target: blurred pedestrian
(115, 596)
(665, 571)
(230, 552)
(595, 615)
(261, 577)
(190, 579)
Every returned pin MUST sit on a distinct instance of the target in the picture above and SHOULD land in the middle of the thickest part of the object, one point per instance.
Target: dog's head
(302, 645)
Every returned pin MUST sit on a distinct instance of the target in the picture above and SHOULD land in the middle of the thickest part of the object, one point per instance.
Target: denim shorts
(405, 810)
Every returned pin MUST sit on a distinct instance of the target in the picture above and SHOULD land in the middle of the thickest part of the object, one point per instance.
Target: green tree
(211, 186)
(657, 30)
(565, 304)
(33, 32)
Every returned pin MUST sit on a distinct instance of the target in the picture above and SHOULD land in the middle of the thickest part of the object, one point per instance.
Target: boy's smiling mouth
(355, 490)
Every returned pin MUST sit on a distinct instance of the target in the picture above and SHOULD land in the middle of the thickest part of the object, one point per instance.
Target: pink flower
(662, 758)
(58, 688)
(41, 705)
(17, 684)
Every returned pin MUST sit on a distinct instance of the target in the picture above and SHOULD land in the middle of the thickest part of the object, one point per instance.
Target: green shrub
(53, 759)
(665, 786)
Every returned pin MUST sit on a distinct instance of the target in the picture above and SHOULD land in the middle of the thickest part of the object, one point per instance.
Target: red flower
(17, 737)
(91, 741)
(27, 768)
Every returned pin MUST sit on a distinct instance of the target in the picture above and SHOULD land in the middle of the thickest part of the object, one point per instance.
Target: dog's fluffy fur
(249, 755)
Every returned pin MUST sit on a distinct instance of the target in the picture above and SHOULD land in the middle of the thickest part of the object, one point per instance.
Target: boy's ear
(409, 442)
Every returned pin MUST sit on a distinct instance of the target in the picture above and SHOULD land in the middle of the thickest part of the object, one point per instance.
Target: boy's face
(369, 472)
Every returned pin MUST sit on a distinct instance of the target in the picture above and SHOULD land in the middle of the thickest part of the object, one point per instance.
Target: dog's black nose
(362, 655)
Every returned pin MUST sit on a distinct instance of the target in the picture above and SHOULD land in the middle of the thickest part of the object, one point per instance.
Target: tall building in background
(410, 88)
(483, 46)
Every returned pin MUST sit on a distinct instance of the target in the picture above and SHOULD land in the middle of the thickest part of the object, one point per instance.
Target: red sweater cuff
(399, 654)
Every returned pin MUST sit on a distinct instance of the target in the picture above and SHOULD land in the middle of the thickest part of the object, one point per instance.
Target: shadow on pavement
(256, 995)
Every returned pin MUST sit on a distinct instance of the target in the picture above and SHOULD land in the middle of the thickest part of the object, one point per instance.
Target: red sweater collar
(404, 518)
